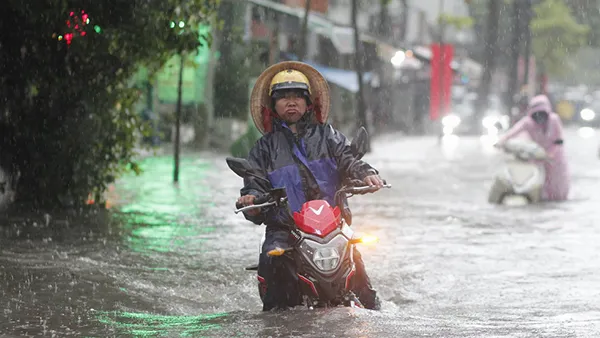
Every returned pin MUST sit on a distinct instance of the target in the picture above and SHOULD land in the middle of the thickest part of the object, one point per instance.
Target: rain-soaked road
(170, 262)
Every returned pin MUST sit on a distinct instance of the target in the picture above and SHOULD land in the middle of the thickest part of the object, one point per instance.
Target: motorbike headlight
(489, 121)
(451, 121)
(326, 257)
(587, 114)
(505, 121)
(492, 130)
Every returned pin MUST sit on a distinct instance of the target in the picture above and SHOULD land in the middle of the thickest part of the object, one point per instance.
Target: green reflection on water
(152, 325)
(157, 216)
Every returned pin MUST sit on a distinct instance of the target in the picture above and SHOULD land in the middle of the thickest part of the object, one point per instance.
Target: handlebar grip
(357, 183)
(258, 200)
(262, 199)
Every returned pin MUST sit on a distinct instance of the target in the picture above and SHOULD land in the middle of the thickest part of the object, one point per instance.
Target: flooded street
(170, 261)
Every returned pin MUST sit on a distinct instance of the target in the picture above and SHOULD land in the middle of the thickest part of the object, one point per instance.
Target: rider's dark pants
(282, 288)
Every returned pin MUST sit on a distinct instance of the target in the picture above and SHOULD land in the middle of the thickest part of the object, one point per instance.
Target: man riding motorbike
(545, 128)
(306, 156)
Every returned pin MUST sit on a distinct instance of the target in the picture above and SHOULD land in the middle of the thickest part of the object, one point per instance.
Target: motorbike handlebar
(366, 188)
(254, 206)
(259, 202)
(265, 200)
(358, 187)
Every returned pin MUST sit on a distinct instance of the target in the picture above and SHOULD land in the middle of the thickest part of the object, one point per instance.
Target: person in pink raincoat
(545, 128)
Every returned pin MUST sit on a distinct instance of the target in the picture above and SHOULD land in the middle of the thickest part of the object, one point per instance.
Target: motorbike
(521, 179)
(322, 241)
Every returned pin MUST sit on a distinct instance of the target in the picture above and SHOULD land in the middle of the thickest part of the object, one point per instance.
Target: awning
(347, 79)
(342, 37)
(314, 21)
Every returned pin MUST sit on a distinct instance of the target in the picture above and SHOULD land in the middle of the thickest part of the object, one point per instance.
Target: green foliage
(478, 10)
(459, 22)
(586, 59)
(556, 36)
(558, 30)
(241, 147)
(588, 12)
(70, 126)
(233, 72)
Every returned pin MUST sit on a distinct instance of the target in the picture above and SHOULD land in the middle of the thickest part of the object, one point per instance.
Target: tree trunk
(301, 53)
(274, 43)
(515, 49)
(202, 130)
(491, 47)
(178, 118)
(404, 24)
(362, 116)
(442, 62)
(527, 33)
(383, 16)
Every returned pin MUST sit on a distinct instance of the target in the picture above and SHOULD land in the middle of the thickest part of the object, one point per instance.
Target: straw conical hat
(260, 101)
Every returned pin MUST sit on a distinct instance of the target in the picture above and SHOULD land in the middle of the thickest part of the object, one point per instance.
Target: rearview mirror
(244, 169)
(360, 144)
(239, 166)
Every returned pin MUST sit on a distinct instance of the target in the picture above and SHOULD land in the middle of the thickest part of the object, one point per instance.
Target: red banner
(441, 80)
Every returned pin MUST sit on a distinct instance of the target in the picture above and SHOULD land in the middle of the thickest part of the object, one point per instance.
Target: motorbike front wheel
(497, 192)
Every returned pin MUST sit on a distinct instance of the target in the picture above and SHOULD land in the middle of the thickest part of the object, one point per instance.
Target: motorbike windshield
(317, 218)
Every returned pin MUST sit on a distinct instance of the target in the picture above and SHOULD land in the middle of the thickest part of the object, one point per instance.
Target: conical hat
(260, 101)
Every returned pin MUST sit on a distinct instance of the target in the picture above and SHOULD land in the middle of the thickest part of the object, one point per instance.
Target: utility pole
(362, 116)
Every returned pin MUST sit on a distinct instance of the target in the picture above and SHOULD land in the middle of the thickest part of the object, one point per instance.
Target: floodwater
(169, 261)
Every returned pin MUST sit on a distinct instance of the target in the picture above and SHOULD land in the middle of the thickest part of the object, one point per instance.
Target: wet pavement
(169, 261)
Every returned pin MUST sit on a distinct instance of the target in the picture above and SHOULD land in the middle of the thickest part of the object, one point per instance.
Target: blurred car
(589, 116)
(463, 120)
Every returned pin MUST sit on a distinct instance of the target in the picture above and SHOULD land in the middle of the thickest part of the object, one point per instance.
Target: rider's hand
(247, 200)
(374, 181)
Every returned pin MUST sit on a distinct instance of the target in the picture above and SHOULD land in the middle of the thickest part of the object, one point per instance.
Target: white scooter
(521, 179)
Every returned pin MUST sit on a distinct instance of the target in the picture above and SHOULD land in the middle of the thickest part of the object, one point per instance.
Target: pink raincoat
(556, 186)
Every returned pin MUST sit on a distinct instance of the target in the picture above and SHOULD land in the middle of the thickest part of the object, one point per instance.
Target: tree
(66, 70)
(304, 32)
(404, 20)
(490, 56)
(586, 59)
(556, 36)
(587, 12)
(478, 10)
(584, 12)
(232, 74)
(384, 18)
